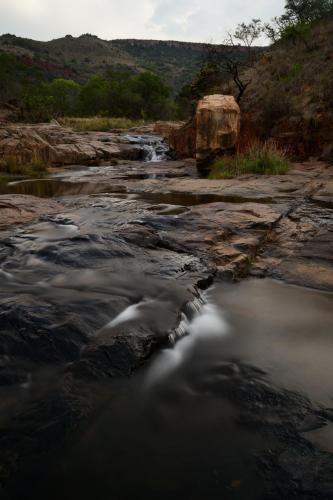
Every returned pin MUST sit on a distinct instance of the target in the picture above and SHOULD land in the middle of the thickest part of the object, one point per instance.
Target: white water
(208, 322)
(154, 148)
(129, 314)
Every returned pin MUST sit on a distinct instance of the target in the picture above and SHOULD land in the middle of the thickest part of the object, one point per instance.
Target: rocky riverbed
(110, 264)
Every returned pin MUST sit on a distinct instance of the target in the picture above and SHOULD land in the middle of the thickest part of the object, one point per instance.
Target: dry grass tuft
(263, 158)
(99, 123)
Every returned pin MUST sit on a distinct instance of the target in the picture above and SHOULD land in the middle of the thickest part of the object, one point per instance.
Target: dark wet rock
(311, 422)
(119, 357)
(293, 467)
(33, 330)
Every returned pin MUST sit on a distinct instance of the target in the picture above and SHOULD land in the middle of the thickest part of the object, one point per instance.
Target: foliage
(235, 63)
(93, 98)
(263, 158)
(307, 11)
(297, 20)
(64, 95)
(208, 81)
(120, 94)
(50, 100)
(98, 123)
(15, 76)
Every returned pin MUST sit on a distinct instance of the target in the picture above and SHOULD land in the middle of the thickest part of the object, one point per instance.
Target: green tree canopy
(94, 96)
(65, 96)
(307, 11)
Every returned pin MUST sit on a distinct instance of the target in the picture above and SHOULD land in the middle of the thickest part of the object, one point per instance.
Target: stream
(242, 378)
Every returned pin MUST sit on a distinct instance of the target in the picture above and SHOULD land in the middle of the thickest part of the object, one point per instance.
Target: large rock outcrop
(217, 123)
(213, 131)
(55, 145)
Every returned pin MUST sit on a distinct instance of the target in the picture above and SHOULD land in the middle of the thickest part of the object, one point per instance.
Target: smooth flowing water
(174, 431)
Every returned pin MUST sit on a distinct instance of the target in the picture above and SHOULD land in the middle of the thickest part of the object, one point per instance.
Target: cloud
(207, 20)
(192, 20)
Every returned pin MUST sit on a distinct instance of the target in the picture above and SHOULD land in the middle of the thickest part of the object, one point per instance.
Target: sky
(188, 20)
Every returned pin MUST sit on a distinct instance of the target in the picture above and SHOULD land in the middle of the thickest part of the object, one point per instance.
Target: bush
(294, 32)
(260, 158)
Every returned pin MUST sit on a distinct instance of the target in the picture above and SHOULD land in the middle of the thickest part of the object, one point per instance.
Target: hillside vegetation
(80, 58)
(291, 92)
(87, 76)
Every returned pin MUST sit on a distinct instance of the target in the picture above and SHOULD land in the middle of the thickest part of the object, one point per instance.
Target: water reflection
(52, 188)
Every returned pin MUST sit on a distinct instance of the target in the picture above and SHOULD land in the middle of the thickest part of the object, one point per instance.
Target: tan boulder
(217, 127)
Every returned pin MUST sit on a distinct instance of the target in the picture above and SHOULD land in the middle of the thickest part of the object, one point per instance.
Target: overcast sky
(189, 20)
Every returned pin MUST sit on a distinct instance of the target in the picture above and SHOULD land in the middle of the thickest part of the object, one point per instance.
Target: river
(235, 399)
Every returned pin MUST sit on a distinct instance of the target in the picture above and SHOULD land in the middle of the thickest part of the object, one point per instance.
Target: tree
(37, 103)
(239, 54)
(153, 95)
(210, 79)
(295, 23)
(94, 96)
(307, 11)
(65, 96)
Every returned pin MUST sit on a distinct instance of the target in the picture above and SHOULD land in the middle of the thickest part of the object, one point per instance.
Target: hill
(290, 97)
(80, 58)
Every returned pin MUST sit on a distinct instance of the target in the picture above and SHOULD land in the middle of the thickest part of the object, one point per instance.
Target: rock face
(217, 127)
(183, 140)
(276, 226)
(166, 128)
(56, 145)
(214, 130)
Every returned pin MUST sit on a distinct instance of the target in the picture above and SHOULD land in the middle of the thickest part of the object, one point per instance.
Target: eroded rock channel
(141, 355)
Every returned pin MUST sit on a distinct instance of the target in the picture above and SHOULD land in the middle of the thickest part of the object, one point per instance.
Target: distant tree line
(114, 94)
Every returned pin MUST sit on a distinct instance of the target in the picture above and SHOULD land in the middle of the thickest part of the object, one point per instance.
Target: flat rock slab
(20, 209)
(278, 226)
(56, 145)
(302, 180)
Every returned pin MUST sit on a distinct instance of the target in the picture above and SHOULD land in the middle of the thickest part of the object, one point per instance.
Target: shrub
(263, 158)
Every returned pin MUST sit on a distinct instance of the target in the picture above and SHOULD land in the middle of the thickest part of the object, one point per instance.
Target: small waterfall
(154, 148)
(200, 320)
